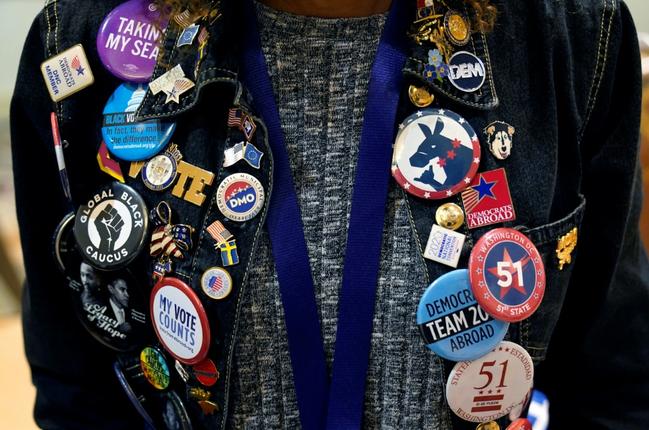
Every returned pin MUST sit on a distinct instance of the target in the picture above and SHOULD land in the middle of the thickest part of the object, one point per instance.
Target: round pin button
(452, 323)
(159, 172)
(240, 197)
(466, 72)
(216, 283)
(155, 368)
(129, 140)
(457, 28)
(507, 274)
(450, 216)
(180, 321)
(128, 40)
(436, 154)
(206, 372)
(109, 305)
(63, 244)
(490, 387)
(111, 226)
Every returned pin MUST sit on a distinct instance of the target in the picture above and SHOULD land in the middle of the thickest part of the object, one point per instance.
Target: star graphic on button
(456, 143)
(449, 193)
(406, 186)
(441, 162)
(476, 160)
(426, 195)
(401, 126)
(509, 267)
(442, 111)
(80, 71)
(462, 121)
(484, 189)
(419, 114)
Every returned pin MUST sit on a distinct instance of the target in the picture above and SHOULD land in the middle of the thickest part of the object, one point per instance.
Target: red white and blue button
(452, 323)
(436, 154)
(180, 321)
(507, 274)
(216, 283)
(240, 197)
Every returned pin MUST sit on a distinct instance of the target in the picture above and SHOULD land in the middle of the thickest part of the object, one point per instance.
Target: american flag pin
(216, 283)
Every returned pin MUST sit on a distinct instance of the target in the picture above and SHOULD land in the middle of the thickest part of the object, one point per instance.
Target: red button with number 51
(507, 275)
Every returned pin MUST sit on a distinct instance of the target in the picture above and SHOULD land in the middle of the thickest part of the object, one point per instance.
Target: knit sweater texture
(320, 71)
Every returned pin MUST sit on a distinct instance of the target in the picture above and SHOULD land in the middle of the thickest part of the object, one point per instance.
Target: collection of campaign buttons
(463, 315)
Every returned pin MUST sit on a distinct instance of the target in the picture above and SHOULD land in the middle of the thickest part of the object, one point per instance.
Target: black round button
(111, 227)
(110, 305)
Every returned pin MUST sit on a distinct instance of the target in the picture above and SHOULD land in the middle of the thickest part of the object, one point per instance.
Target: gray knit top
(320, 70)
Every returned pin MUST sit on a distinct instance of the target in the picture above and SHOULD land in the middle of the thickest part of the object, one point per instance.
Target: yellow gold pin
(567, 243)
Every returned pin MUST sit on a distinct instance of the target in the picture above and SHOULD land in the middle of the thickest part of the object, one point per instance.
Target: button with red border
(436, 154)
(180, 321)
(507, 274)
(490, 387)
(206, 372)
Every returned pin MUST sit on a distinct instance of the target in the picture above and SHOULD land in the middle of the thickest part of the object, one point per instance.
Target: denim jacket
(565, 74)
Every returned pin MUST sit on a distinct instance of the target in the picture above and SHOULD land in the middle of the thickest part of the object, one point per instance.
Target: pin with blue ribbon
(168, 241)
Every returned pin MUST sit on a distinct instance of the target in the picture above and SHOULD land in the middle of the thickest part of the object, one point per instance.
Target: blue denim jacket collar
(220, 65)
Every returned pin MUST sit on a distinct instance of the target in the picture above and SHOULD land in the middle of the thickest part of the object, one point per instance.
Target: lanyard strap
(340, 406)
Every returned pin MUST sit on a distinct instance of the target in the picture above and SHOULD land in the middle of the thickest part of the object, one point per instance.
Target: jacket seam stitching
(157, 68)
(49, 31)
(413, 226)
(492, 85)
(226, 402)
(600, 67)
(194, 100)
(448, 94)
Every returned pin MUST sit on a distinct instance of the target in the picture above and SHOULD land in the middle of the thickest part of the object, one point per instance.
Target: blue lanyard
(339, 404)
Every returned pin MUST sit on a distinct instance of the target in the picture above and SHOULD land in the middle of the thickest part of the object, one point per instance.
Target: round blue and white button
(466, 72)
(452, 323)
(240, 197)
(129, 140)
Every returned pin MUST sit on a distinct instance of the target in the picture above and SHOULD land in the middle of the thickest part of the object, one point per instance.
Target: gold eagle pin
(567, 243)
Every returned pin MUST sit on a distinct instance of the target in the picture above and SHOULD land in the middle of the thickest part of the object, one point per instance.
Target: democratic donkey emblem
(436, 154)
